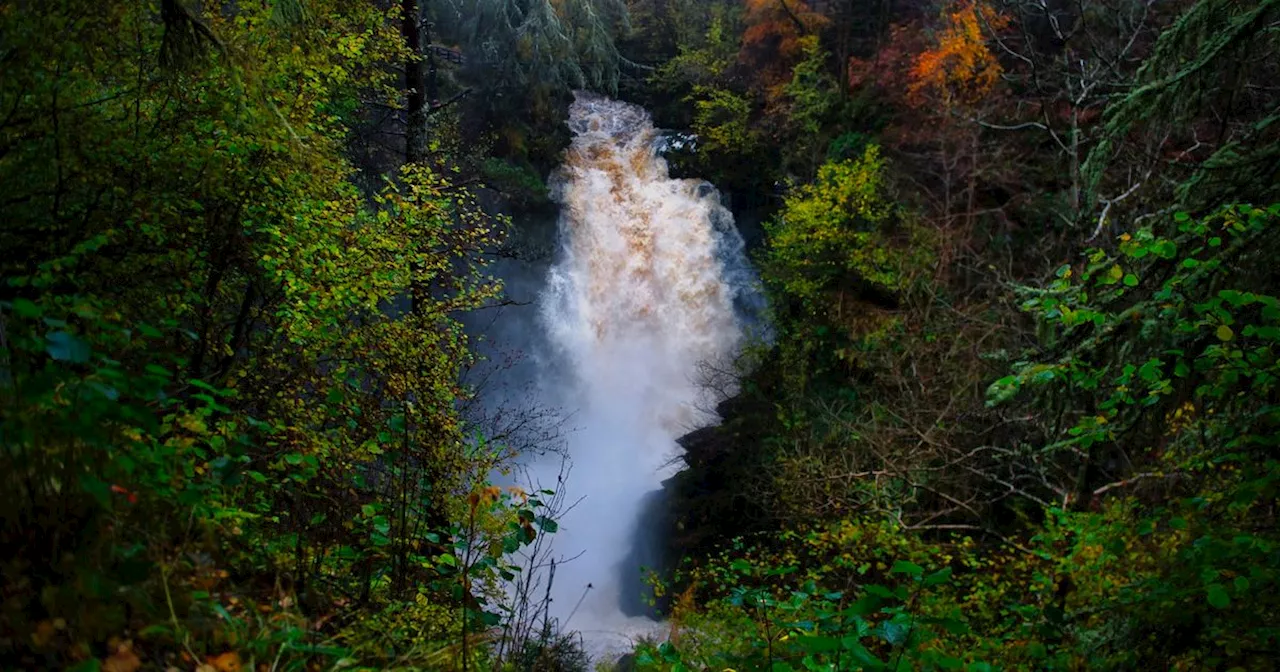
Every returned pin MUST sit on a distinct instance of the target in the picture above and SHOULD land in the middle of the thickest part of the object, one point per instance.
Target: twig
(1102, 219)
(173, 614)
(1133, 479)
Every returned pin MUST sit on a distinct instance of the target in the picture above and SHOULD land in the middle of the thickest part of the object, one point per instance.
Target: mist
(648, 282)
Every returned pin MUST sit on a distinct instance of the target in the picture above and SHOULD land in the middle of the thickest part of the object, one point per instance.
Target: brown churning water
(642, 295)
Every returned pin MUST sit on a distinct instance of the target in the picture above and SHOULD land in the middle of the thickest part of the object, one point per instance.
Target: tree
(1209, 117)
(1072, 61)
(814, 101)
(416, 81)
(540, 43)
(771, 43)
(943, 88)
(1154, 393)
(210, 401)
(959, 70)
(832, 234)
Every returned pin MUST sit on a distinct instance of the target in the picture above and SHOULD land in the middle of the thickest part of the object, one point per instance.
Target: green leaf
(97, 488)
(815, 643)
(865, 606)
(1218, 597)
(894, 633)
(879, 591)
(940, 576)
(107, 391)
(904, 567)
(1225, 333)
(25, 308)
(1131, 280)
(154, 631)
(954, 626)
(863, 656)
(65, 347)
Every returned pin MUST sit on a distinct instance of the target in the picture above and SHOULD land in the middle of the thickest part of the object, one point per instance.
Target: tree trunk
(414, 83)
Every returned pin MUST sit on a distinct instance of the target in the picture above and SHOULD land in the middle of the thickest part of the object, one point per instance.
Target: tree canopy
(1015, 406)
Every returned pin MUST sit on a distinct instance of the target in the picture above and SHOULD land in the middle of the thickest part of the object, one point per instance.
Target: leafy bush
(519, 182)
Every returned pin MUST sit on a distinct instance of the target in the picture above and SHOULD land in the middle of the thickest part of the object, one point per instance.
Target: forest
(1014, 403)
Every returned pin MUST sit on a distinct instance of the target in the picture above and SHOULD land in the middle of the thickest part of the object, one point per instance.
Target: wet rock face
(651, 552)
(675, 521)
(710, 502)
(701, 445)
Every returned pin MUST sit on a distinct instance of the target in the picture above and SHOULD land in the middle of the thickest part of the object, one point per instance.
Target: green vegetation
(232, 419)
(1020, 412)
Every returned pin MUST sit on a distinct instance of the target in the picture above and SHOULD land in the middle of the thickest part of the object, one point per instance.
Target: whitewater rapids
(647, 289)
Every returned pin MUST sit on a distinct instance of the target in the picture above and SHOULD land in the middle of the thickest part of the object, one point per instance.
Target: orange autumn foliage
(771, 43)
(960, 69)
(889, 68)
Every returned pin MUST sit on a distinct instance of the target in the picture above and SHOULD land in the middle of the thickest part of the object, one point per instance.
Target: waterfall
(641, 297)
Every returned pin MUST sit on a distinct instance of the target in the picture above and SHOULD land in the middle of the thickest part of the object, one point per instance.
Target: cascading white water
(644, 292)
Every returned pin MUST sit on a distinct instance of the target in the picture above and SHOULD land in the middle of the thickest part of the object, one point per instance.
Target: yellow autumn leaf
(227, 662)
(192, 424)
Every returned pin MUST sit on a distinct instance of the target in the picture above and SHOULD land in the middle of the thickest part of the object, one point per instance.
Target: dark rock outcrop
(711, 500)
